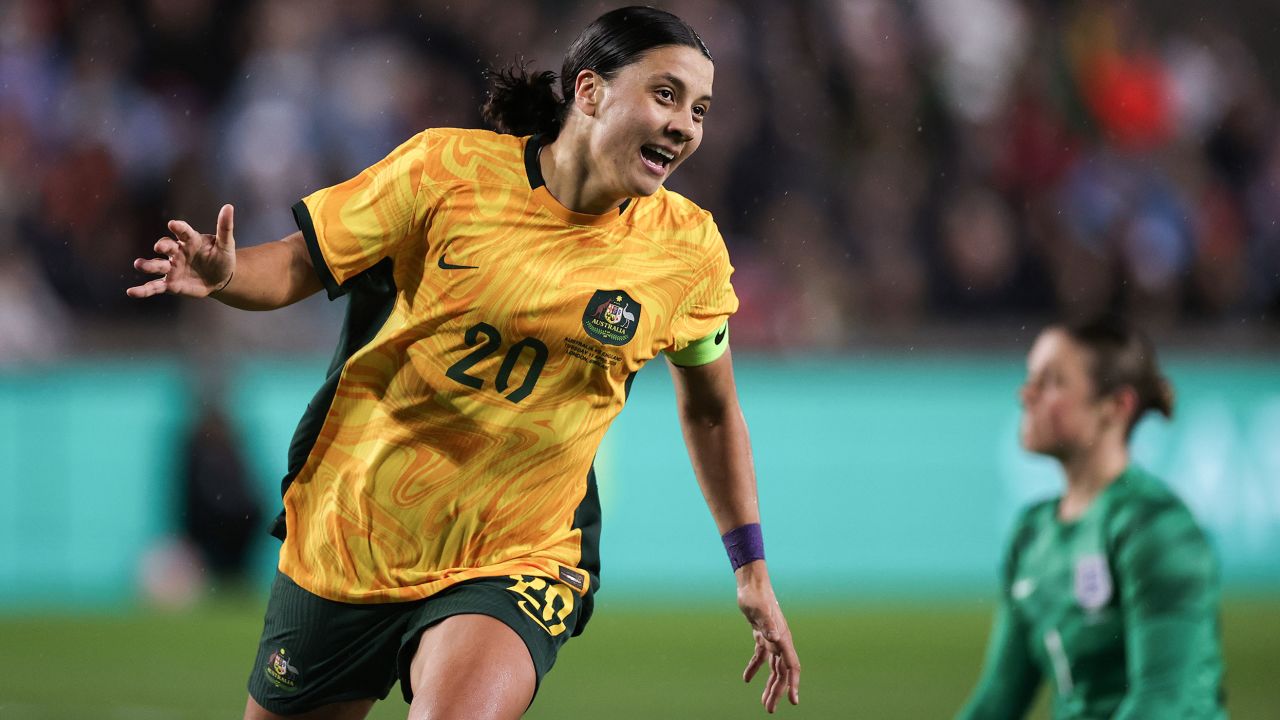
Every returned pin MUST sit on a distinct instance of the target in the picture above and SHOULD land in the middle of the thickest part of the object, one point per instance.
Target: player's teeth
(661, 153)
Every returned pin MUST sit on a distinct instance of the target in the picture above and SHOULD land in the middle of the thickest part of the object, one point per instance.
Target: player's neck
(1088, 473)
(567, 172)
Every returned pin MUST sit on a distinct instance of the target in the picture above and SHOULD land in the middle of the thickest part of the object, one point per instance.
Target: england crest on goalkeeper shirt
(1092, 582)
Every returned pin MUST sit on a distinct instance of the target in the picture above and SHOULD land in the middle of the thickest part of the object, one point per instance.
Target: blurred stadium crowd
(877, 167)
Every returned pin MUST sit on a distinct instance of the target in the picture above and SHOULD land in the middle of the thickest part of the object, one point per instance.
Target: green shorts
(314, 651)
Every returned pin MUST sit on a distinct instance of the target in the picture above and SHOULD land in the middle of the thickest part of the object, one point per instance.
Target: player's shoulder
(1032, 520)
(473, 138)
(676, 220)
(1027, 525)
(1141, 495)
(472, 154)
(1038, 512)
(1144, 504)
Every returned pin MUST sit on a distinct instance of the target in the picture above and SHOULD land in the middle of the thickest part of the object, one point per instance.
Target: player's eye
(666, 94)
(699, 111)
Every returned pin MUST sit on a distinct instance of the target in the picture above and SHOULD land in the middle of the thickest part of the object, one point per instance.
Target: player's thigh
(315, 653)
(471, 667)
(511, 627)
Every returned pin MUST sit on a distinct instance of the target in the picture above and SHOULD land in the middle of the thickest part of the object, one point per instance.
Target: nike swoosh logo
(720, 335)
(450, 266)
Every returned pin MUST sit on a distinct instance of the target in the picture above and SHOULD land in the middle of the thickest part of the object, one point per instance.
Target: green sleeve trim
(701, 352)
(302, 216)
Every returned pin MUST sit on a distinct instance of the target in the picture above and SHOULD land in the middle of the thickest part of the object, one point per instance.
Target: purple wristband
(744, 544)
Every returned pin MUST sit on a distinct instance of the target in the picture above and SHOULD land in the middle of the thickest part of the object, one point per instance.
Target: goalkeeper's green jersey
(1118, 610)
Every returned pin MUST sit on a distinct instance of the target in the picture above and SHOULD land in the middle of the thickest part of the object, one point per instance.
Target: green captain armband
(701, 352)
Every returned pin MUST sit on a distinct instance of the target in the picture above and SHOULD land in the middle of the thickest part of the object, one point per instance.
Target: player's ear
(1124, 404)
(588, 88)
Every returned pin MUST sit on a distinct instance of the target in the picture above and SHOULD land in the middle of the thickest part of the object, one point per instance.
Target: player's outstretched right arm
(264, 277)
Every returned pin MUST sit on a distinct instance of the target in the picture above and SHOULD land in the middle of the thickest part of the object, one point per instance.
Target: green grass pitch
(861, 660)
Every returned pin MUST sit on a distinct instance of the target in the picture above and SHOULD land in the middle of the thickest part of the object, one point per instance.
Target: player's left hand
(772, 636)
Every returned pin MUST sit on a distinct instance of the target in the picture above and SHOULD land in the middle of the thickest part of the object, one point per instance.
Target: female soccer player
(1110, 590)
(440, 519)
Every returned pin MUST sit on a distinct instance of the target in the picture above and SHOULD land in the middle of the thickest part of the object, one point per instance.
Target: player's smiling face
(650, 119)
(1061, 415)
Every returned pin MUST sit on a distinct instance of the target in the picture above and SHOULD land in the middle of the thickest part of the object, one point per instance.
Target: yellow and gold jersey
(490, 340)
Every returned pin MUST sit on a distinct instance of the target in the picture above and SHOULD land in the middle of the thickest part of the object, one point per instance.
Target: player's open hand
(191, 263)
(772, 636)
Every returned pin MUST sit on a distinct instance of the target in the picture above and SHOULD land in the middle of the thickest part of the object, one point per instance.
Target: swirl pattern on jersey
(459, 439)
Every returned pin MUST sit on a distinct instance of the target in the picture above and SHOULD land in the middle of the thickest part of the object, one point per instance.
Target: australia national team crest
(1092, 582)
(282, 673)
(611, 317)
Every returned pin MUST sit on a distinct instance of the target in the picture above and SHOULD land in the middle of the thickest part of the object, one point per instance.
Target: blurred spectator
(34, 322)
(982, 268)
(34, 326)
(221, 515)
(795, 286)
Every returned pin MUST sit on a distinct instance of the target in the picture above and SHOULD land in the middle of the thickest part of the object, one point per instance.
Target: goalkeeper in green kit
(1110, 592)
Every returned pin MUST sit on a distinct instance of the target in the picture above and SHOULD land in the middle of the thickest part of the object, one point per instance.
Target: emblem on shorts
(611, 317)
(282, 673)
(1092, 582)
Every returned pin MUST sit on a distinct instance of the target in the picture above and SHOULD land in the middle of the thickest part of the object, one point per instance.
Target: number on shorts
(544, 602)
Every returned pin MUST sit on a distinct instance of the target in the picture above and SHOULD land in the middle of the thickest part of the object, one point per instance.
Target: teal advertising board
(884, 476)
